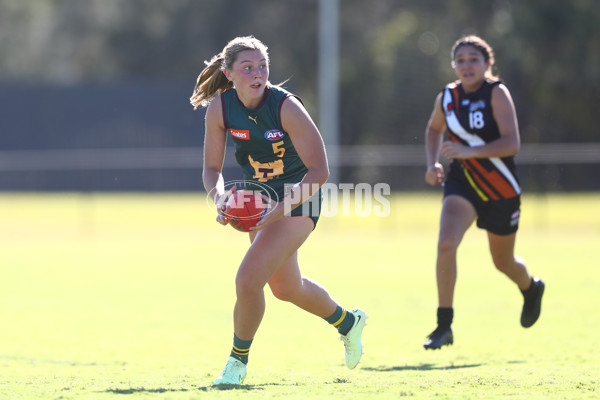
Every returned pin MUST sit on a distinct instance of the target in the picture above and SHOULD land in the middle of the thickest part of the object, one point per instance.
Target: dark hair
(212, 80)
(484, 48)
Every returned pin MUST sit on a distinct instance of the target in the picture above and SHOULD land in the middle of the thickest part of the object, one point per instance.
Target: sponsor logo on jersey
(478, 105)
(514, 218)
(274, 135)
(239, 134)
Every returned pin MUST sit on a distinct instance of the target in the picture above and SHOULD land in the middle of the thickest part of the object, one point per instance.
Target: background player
(478, 113)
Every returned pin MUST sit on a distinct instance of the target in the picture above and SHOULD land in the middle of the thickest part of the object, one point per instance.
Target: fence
(179, 168)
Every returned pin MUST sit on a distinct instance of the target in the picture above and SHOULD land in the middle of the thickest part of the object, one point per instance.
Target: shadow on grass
(212, 388)
(144, 390)
(263, 386)
(192, 389)
(422, 367)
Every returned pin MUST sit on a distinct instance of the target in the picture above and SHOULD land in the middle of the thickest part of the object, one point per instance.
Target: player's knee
(503, 263)
(283, 292)
(447, 245)
(247, 287)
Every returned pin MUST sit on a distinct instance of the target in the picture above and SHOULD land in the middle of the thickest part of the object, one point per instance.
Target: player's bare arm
(434, 134)
(307, 141)
(309, 145)
(215, 139)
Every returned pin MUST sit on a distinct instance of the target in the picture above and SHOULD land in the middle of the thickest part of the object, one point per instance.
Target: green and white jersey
(262, 148)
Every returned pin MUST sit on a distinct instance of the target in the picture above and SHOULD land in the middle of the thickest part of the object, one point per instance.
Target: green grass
(131, 296)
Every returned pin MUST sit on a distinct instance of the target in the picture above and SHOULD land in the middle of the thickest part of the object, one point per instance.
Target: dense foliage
(123, 69)
(394, 54)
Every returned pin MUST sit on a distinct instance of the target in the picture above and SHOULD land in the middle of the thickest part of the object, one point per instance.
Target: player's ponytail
(211, 81)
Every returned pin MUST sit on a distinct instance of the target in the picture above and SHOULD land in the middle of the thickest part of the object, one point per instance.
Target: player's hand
(452, 150)
(221, 203)
(273, 212)
(435, 174)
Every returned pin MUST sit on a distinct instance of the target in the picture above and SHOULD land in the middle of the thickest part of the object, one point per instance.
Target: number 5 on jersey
(278, 149)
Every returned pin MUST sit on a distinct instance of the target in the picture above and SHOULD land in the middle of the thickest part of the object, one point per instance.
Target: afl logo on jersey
(274, 135)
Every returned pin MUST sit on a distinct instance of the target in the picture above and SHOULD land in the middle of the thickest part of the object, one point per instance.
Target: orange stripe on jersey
(495, 179)
(481, 185)
(453, 137)
(455, 96)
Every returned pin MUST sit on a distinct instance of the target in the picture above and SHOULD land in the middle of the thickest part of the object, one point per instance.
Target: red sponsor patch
(450, 106)
(244, 135)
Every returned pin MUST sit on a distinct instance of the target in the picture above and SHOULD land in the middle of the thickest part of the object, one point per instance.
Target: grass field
(130, 296)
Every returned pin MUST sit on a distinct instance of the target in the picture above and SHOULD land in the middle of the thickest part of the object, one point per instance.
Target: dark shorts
(500, 217)
(310, 208)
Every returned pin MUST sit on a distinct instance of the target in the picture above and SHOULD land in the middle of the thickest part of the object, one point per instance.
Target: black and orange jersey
(470, 121)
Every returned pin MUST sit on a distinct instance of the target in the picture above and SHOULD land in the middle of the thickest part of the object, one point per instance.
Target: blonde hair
(212, 80)
(482, 46)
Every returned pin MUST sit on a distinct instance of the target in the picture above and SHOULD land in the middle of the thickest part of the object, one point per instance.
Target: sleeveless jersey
(262, 148)
(470, 121)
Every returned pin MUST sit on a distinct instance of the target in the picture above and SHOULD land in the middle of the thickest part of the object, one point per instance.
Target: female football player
(278, 147)
(482, 185)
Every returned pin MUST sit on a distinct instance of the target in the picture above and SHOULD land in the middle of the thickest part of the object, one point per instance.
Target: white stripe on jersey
(473, 140)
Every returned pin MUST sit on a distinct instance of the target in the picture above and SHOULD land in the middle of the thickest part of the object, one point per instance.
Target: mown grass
(130, 297)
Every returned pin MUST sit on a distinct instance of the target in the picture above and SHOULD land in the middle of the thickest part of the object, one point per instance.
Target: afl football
(244, 209)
